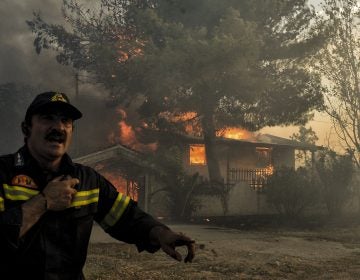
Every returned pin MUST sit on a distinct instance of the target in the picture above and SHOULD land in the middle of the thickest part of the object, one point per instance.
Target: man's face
(50, 135)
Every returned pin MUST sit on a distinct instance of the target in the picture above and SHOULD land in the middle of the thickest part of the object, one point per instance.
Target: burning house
(245, 160)
(125, 168)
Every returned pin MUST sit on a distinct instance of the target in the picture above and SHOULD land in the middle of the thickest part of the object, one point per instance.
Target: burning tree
(228, 63)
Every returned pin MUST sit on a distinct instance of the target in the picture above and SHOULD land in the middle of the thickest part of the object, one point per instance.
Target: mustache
(56, 135)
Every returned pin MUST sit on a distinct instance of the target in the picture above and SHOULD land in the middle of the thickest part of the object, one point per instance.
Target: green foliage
(233, 63)
(335, 175)
(231, 59)
(338, 63)
(181, 189)
(291, 191)
(305, 136)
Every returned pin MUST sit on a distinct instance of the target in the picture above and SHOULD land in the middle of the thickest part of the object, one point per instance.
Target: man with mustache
(48, 203)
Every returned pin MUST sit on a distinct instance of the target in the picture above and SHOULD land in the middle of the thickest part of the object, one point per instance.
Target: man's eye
(66, 121)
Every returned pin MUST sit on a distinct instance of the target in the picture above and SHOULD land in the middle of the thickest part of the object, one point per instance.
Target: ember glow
(269, 170)
(128, 47)
(126, 135)
(197, 154)
(188, 118)
(235, 133)
(122, 185)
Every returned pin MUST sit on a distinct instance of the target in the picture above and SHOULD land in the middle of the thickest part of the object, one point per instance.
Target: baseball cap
(48, 101)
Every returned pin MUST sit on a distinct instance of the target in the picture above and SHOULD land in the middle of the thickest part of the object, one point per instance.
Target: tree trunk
(211, 159)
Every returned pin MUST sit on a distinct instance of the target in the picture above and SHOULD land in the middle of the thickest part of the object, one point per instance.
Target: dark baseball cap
(46, 102)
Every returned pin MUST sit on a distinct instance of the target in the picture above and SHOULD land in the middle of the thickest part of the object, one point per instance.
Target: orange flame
(128, 47)
(121, 184)
(197, 154)
(127, 136)
(268, 170)
(190, 118)
(235, 133)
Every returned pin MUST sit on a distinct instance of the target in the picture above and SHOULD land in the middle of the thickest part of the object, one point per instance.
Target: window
(197, 154)
(263, 156)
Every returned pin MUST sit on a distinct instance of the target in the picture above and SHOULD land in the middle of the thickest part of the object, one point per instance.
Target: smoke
(19, 61)
(22, 66)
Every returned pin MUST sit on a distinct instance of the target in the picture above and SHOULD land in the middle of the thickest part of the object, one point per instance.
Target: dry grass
(256, 254)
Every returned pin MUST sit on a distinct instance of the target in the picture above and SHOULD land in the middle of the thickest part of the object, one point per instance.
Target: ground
(321, 251)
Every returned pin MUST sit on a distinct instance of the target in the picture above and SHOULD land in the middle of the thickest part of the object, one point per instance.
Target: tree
(305, 136)
(339, 65)
(180, 188)
(335, 175)
(229, 63)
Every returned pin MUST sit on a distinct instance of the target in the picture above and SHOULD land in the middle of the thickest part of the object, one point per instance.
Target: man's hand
(169, 240)
(59, 192)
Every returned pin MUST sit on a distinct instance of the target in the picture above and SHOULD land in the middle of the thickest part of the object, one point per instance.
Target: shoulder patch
(24, 181)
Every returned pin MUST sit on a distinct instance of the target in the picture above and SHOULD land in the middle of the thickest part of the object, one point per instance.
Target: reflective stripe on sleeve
(14, 193)
(2, 206)
(18, 193)
(82, 198)
(115, 213)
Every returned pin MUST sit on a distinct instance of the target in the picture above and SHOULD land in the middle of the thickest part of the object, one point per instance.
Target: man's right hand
(59, 192)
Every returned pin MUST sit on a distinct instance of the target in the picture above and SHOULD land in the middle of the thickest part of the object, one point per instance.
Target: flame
(197, 154)
(190, 118)
(127, 136)
(128, 47)
(178, 117)
(235, 133)
(121, 184)
(269, 170)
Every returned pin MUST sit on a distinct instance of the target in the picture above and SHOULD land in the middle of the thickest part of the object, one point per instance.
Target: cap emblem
(58, 97)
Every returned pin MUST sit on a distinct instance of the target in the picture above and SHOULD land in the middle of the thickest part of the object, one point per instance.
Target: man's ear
(25, 129)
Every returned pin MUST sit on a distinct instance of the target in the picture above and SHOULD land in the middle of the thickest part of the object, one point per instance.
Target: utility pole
(76, 133)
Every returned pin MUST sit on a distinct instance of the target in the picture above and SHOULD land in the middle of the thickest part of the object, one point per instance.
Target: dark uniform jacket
(56, 246)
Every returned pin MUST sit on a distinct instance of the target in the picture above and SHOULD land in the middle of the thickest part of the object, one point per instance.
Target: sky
(20, 63)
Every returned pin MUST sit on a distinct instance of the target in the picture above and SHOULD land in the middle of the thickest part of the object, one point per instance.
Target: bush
(334, 173)
(291, 191)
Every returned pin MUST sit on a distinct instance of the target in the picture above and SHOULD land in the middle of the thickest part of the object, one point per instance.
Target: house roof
(272, 139)
(266, 140)
(123, 153)
(114, 153)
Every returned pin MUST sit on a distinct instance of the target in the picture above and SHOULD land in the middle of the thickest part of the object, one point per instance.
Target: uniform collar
(24, 159)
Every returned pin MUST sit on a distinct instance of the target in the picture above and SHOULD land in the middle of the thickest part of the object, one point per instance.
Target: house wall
(284, 156)
(241, 156)
(243, 200)
(237, 157)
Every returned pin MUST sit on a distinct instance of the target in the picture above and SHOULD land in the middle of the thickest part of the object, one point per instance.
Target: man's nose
(58, 122)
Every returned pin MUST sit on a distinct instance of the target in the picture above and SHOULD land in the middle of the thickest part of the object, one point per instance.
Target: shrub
(291, 191)
(334, 173)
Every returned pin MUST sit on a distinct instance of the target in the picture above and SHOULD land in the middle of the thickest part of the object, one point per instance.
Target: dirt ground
(327, 251)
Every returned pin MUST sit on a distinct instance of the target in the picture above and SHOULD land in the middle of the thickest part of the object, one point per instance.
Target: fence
(256, 178)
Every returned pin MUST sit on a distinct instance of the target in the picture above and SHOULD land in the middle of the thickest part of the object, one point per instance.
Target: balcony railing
(256, 178)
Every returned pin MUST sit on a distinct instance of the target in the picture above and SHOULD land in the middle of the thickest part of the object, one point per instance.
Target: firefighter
(48, 203)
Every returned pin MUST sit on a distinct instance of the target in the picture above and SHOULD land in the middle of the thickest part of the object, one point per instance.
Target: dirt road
(223, 253)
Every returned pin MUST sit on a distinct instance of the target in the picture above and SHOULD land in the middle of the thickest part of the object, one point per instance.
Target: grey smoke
(20, 65)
